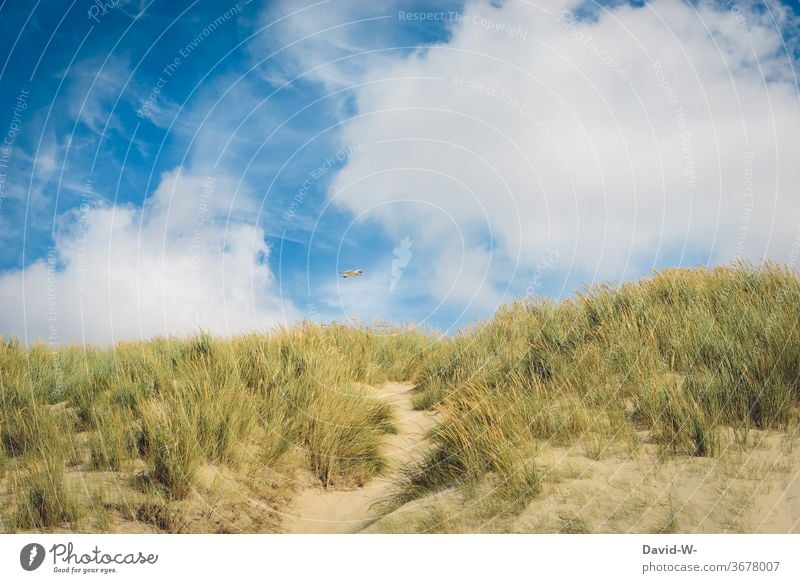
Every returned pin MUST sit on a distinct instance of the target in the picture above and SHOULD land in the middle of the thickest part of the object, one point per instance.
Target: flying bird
(352, 273)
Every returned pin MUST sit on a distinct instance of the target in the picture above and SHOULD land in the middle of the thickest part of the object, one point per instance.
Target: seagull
(352, 273)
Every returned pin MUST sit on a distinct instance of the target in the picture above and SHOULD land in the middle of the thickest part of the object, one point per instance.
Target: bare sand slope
(750, 490)
(756, 490)
(317, 510)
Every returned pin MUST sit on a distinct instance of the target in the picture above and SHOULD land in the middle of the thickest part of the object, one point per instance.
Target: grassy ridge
(681, 358)
(175, 405)
(681, 355)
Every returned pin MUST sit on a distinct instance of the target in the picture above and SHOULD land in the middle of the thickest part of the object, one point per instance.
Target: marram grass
(682, 356)
(155, 412)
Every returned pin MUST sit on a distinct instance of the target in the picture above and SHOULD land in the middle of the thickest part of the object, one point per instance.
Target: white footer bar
(399, 558)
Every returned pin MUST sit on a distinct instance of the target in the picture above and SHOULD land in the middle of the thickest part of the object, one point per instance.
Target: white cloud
(95, 86)
(333, 42)
(621, 142)
(183, 263)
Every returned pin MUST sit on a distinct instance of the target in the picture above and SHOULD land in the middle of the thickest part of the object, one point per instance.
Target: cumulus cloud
(629, 138)
(189, 260)
(317, 39)
(334, 43)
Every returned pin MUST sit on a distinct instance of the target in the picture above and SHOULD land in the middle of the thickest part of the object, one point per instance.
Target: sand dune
(317, 510)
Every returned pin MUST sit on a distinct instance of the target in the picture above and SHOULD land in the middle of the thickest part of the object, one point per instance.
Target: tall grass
(173, 405)
(45, 501)
(680, 354)
(170, 446)
(341, 432)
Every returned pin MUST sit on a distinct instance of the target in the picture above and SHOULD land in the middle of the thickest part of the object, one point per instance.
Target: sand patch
(751, 489)
(319, 510)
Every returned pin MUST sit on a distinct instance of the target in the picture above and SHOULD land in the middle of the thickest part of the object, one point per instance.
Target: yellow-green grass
(153, 413)
(678, 357)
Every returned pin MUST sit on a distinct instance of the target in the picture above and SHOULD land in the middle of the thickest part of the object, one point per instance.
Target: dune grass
(157, 411)
(681, 357)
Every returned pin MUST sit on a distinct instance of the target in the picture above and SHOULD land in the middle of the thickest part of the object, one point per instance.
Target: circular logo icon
(31, 556)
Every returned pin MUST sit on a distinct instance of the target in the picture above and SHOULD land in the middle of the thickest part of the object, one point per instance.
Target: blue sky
(175, 166)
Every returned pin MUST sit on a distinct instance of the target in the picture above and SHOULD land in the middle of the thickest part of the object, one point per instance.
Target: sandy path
(317, 510)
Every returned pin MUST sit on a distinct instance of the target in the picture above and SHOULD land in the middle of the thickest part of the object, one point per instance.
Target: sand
(750, 490)
(317, 510)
